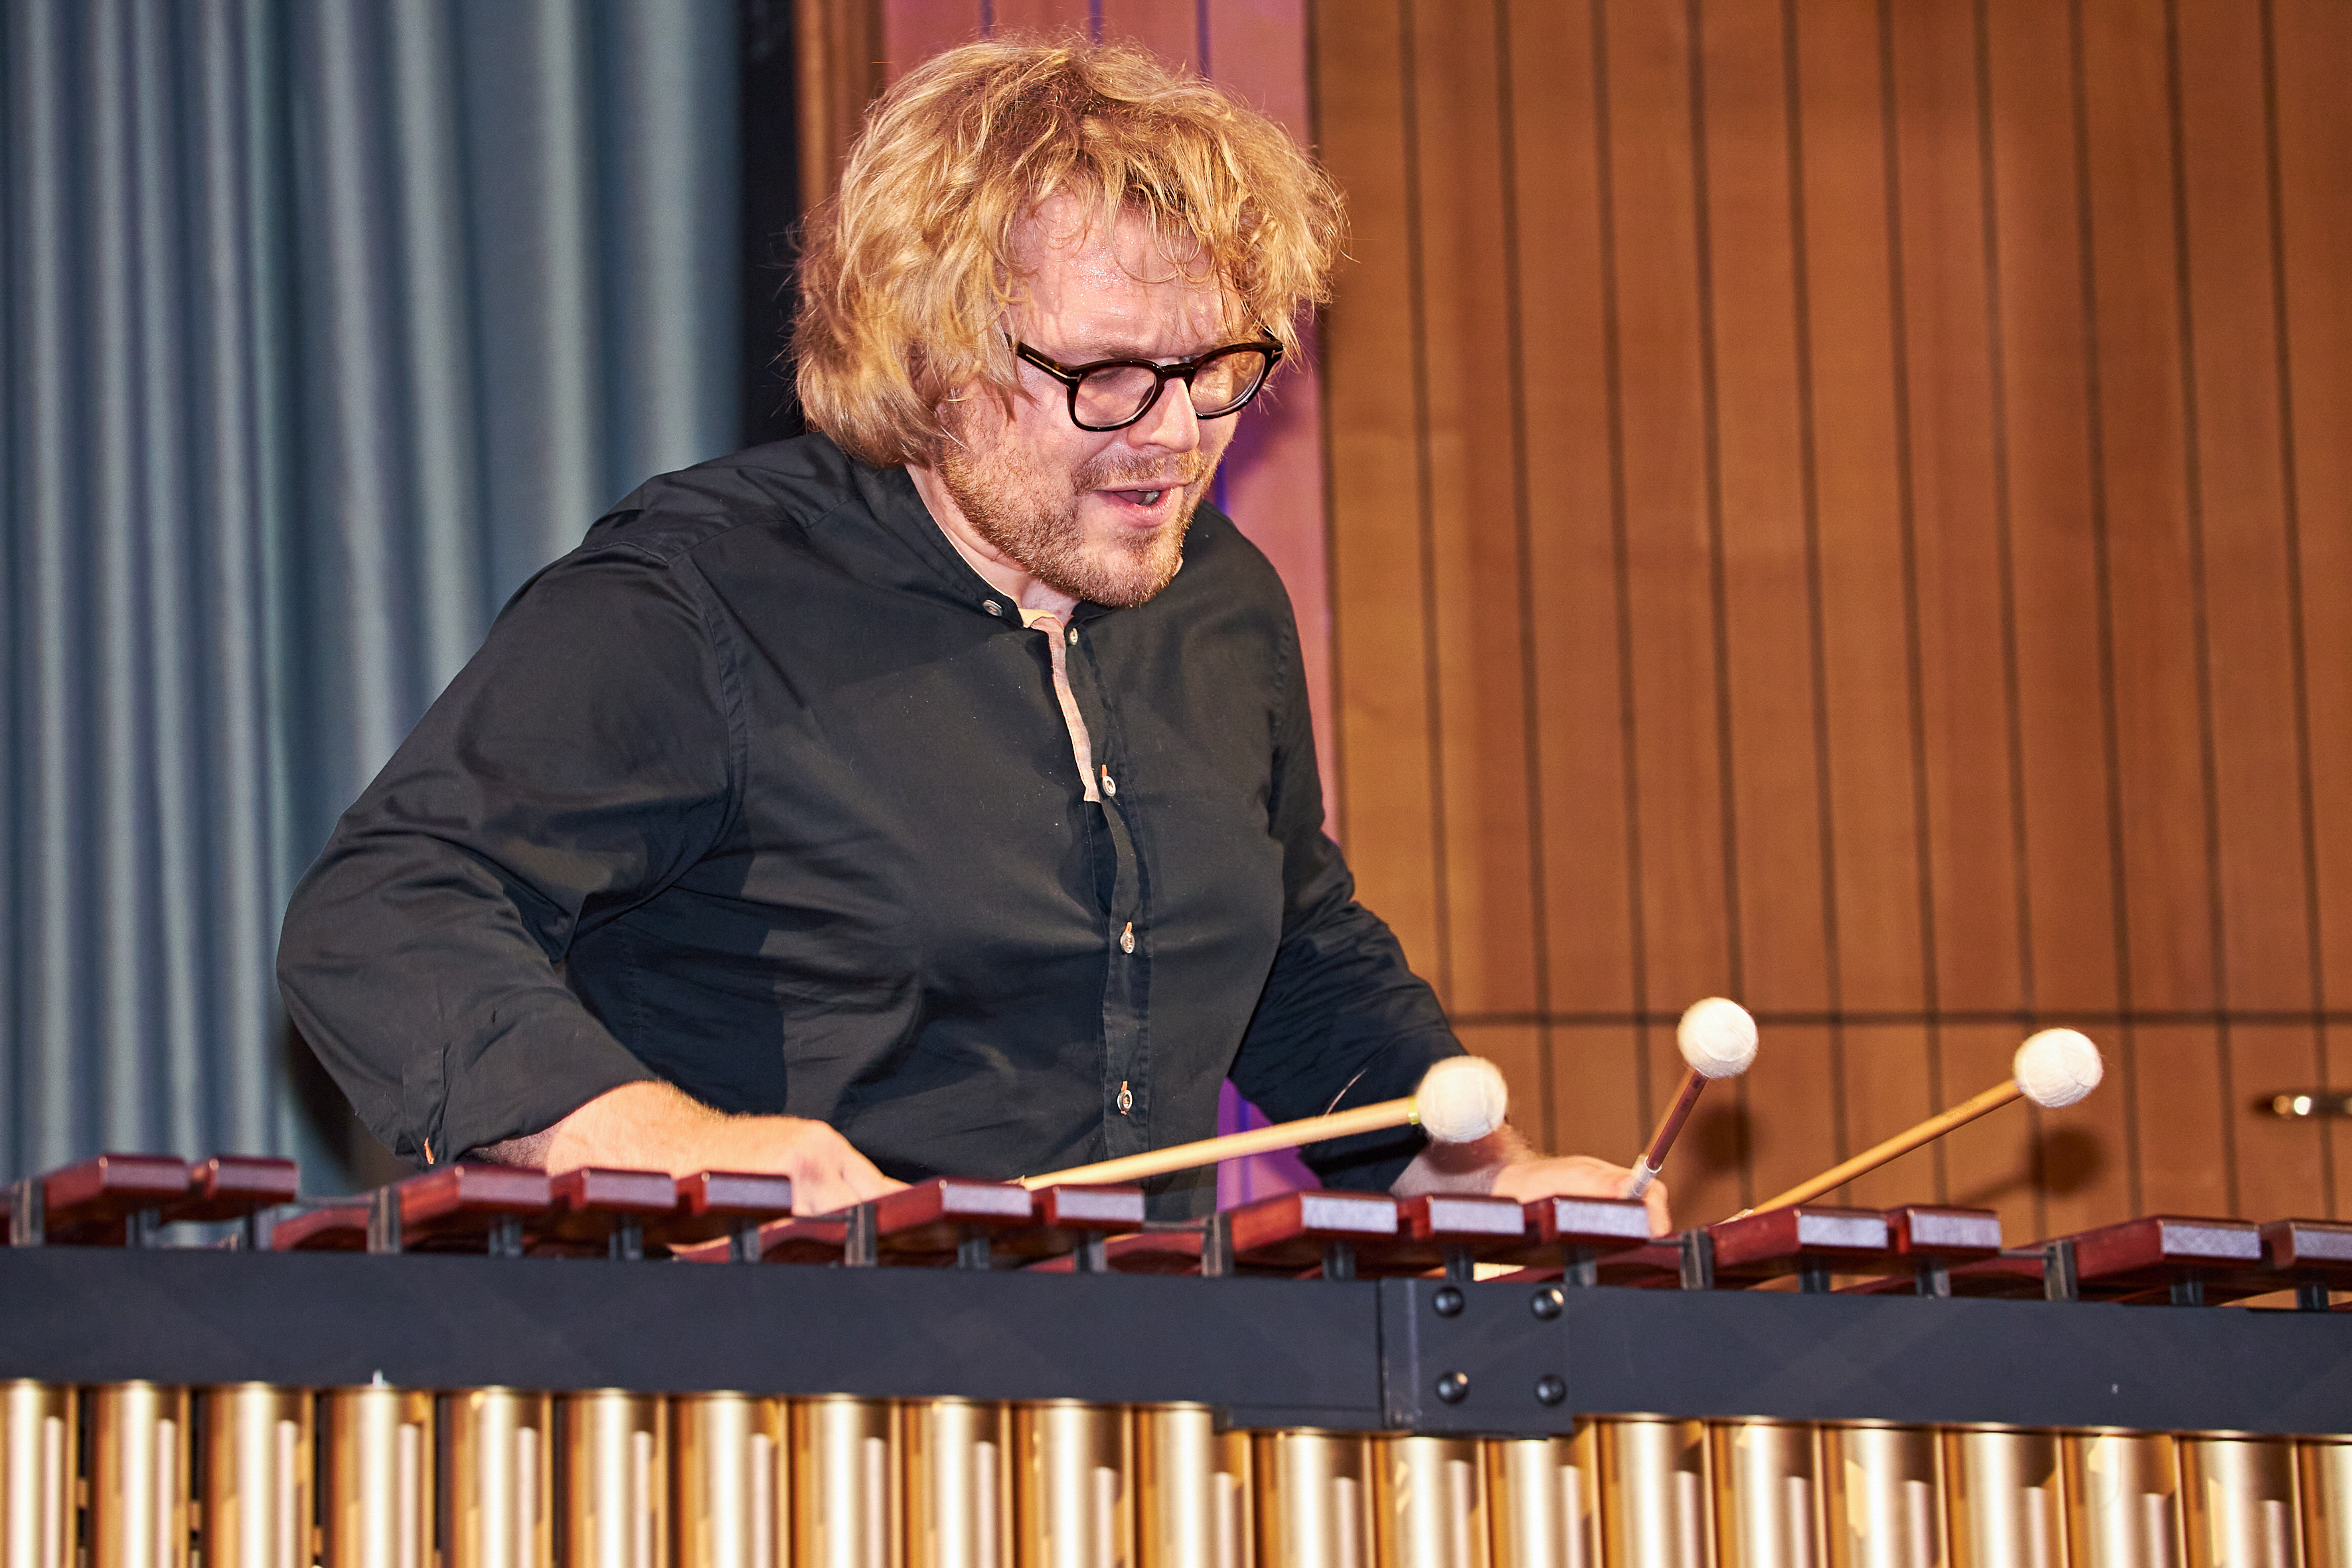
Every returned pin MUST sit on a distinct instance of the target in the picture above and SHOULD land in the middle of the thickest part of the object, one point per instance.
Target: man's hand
(655, 1127)
(1508, 1166)
(1577, 1176)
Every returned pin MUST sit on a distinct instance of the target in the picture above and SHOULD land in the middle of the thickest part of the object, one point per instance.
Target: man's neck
(998, 569)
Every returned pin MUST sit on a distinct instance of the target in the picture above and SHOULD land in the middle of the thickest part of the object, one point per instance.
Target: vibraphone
(986, 1377)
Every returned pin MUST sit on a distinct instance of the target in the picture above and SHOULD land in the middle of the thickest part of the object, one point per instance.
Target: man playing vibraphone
(934, 793)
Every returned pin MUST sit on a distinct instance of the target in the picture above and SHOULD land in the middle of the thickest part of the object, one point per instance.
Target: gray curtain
(325, 323)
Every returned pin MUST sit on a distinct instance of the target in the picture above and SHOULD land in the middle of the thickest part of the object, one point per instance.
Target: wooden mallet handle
(2053, 1068)
(1460, 1100)
(1232, 1146)
(1652, 1158)
(1901, 1143)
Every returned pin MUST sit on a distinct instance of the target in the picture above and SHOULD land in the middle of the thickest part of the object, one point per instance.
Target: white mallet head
(2057, 1066)
(1717, 1036)
(1461, 1099)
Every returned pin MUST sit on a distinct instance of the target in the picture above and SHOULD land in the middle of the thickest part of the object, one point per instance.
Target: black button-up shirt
(764, 791)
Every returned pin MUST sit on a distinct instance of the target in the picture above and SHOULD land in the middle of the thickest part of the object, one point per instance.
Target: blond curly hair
(908, 269)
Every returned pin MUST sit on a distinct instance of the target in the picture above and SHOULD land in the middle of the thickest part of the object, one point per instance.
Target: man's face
(1097, 515)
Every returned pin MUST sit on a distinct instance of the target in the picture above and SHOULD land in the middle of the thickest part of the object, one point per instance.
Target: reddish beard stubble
(1034, 520)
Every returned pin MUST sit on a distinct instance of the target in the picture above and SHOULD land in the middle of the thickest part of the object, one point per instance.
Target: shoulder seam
(684, 540)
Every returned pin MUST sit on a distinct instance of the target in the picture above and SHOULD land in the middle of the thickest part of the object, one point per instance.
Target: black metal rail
(1420, 1355)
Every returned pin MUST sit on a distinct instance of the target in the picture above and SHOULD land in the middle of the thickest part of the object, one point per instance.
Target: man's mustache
(1135, 473)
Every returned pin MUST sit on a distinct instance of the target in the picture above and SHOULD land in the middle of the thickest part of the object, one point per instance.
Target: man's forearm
(1462, 1167)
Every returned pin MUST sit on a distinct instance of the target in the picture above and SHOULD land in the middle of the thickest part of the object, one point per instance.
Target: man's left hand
(1577, 1176)
(1505, 1165)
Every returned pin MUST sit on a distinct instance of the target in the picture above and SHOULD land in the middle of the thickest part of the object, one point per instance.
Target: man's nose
(1169, 423)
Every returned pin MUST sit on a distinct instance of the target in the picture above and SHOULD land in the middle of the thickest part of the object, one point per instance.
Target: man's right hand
(654, 1126)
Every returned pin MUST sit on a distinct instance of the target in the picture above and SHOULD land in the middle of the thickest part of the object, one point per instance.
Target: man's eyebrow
(1133, 348)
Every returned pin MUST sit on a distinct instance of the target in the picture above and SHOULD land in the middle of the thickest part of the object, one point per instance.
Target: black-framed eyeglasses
(1113, 393)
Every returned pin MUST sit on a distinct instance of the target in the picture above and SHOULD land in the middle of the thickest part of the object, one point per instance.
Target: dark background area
(771, 211)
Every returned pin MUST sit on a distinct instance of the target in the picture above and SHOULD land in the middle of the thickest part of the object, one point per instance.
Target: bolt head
(1551, 1389)
(1447, 1302)
(1548, 1303)
(1455, 1387)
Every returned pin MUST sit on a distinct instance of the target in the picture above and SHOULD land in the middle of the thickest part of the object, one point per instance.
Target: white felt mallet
(2054, 1067)
(1717, 1039)
(1460, 1101)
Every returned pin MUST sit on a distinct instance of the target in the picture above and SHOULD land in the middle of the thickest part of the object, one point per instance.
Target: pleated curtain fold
(324, 323)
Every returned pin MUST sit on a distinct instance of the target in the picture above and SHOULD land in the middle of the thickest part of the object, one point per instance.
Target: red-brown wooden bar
(597, 1212)
(1294, 1233)
(2162, 1258)
(1452, 1231)
(234, 1187)
(470, 1209)
(809, 1240)
(1812, 1241)
(2309, 1257)
(331, 1228)
(948, 1220)
(713, 1204)
(109, 1199)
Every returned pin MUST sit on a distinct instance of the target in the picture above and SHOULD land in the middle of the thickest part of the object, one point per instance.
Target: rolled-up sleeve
(581, 762)
(1343, 1021)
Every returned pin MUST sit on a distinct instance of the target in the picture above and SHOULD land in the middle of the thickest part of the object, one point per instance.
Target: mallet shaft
(1232, 1146)
(1901, 1143)
(1652, 1158)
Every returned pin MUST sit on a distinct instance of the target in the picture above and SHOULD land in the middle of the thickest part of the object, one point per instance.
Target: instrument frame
(1500, 1358)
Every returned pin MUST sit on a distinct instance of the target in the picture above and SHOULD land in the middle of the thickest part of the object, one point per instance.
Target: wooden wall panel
(1578, 845)
(1381, 638)
(2142, 522)
(2042, 400)
(2239, 507)
(1761, 511)
(1664, 457)
(2311, 225)
(1469, 503)
(1847, 504)
(1973, 935)
(1928, 469)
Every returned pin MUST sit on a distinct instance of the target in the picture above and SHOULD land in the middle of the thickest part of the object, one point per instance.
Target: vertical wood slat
(1767, 509)
(1663, 456)
(1960, 523)
(2038, 331)
(838, 47)
(1570, 599)
(1470, 522)
(2079, 507)
(1373, 453)
(2009, 347)
(2312, 223)
(2135, 352)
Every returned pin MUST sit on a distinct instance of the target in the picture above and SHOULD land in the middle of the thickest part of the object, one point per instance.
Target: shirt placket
(1126, 984)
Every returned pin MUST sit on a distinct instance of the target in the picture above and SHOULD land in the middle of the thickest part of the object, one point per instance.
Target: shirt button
(991, 606)
(1127, 938)
(1110, 785)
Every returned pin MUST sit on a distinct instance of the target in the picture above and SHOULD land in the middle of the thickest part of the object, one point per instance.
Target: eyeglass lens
(1117, 393)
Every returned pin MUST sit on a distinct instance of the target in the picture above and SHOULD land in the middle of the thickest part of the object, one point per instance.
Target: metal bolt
(1455, 1387)
(1547, 1304)
(1551, 1389)
(1448, 1302)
